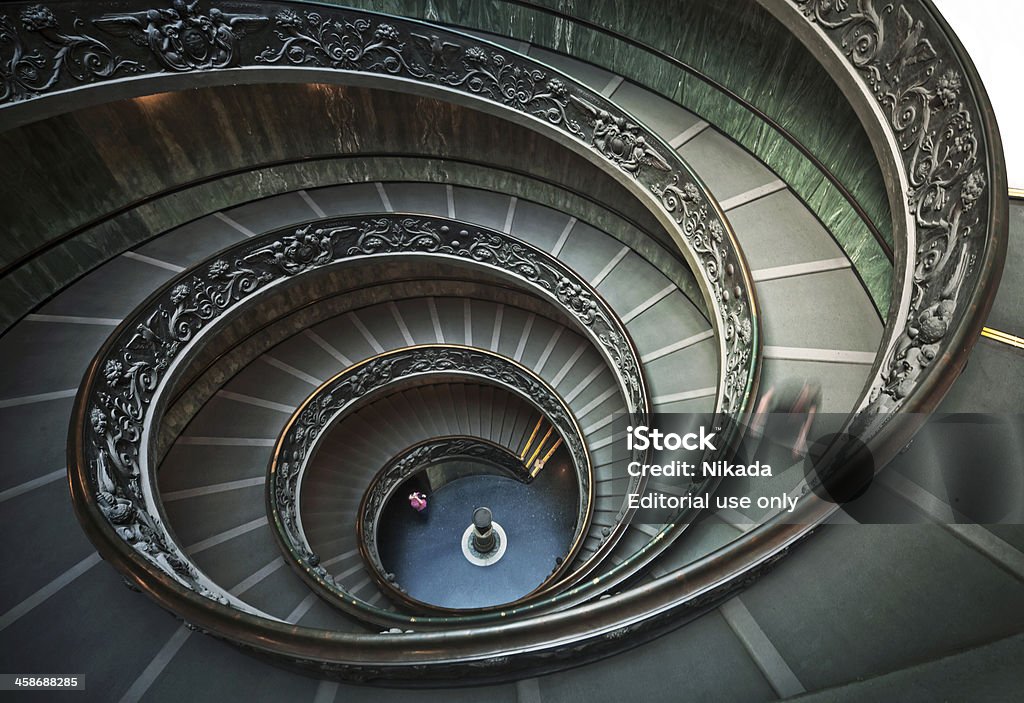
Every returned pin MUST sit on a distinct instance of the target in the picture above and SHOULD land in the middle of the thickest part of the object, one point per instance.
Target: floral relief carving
(182, 37)
(315, 39)
(690, 209)
(27, 72)
(922, 93)
(130, 376)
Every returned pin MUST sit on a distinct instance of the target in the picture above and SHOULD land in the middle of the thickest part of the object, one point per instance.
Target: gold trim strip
(544, 460)
(1005, 338)
(1016, 193)
(999, 334)
(529, 442)
(992, 332)
(551, 428)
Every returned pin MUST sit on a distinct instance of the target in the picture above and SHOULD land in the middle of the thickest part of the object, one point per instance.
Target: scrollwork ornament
(182, 37)
(505, 253)
(387, 235)
(922, 95)
(706, 236)
(318, 39)
(484, 71)
(314, 39)
(130, 377)
(26, 73)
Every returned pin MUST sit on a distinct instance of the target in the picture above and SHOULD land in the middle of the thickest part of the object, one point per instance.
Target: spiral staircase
(263, 256)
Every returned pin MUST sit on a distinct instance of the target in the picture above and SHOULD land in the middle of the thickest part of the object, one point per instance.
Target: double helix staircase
(850, 613)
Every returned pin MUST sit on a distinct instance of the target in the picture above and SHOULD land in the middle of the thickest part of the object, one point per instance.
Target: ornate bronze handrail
(922, 102)
(122, 398)
(330, 402)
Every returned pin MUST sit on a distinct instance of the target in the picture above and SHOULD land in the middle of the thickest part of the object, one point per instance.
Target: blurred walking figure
(418, 501)
(783, 421)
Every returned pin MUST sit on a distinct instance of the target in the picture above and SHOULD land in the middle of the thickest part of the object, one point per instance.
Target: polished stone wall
(742, 47)
(85, 186)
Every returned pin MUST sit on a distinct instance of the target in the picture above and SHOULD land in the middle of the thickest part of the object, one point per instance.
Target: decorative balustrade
(924, 106)
(120, 404)
(80, 51)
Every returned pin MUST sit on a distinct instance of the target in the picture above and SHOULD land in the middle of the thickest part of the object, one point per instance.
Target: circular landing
(424, 550)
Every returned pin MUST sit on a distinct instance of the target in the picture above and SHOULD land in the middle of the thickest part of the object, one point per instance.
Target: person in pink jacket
(418, 501)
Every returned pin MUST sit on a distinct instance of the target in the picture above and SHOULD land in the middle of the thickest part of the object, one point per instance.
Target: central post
(484, 542)
(483, 532)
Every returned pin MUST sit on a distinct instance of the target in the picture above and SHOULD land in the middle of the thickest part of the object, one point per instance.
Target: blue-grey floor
(424, 552)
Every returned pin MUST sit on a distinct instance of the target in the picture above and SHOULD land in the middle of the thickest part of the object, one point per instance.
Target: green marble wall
(291, 137)
(744, 48)
(67, 173)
